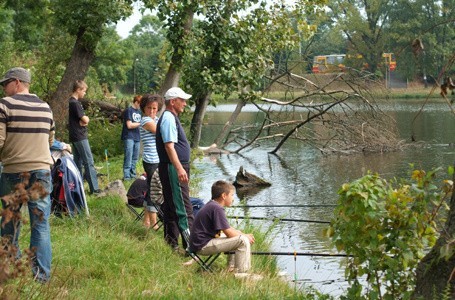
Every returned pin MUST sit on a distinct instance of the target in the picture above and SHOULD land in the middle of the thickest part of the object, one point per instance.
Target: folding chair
(133, 210)
(205, 264)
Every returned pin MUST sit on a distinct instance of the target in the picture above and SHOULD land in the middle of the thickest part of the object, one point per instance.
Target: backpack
(68, 196)
(197, 205)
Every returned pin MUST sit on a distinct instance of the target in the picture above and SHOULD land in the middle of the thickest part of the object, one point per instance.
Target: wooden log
(244, 179)
(108, 110)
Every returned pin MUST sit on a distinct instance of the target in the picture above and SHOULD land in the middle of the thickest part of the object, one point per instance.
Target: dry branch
(341, 109)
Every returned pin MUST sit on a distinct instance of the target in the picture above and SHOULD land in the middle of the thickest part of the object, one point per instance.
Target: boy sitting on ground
(211, 221)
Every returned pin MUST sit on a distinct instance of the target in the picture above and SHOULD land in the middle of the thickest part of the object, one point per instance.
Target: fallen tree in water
(335, 113)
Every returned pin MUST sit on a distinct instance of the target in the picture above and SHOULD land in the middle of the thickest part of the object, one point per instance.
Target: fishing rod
(300, 254)
(270, 253)
(284, 205)
(279, 219)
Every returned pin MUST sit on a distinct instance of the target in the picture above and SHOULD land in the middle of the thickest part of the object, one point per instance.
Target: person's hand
(182, 175)
(250, 237)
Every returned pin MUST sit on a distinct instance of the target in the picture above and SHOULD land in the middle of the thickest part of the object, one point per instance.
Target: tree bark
(434, 273)
(76, 69)
(224, 132)
(198, 117)
(173, 74)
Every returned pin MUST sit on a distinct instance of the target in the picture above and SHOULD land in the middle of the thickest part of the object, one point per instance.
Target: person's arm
(83, 121)
(130, 124)
(172, 154)
(150, 126)
(232, 232)
(133, 125)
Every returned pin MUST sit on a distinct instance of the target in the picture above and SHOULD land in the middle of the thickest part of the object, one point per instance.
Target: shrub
(386, 226)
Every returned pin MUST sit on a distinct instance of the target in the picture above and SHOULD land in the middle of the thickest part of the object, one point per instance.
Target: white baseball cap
(176, 92)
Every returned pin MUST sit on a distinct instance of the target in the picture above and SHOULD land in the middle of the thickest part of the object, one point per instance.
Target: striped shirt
(148, 139)
(26, 133)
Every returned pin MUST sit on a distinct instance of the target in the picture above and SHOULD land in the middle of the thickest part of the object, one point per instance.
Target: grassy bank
(110, 256)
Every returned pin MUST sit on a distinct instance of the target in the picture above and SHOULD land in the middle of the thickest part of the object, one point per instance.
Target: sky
(124, 27)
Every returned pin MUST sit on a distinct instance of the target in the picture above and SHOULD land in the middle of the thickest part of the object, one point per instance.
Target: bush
(386, 227)
(105, 136)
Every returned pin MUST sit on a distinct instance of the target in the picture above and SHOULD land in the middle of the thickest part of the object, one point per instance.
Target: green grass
(110, 256)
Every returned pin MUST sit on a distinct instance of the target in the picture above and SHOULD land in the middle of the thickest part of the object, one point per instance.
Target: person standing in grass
(150, 106)
(26, 133)
(174, 152)
(209, 224)
(131, 138)
(78, 136)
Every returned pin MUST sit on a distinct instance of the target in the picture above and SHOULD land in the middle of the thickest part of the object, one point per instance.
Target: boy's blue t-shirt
(134, 115)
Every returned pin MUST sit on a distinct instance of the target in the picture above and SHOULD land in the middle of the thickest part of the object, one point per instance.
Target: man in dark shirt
(174, 169)
(77, 127)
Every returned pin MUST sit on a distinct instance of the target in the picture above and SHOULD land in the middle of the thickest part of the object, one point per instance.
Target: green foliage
(432, 23)
(230, 49)
(89, 17)
(146, 62)
(113, 59)
(386, 226)
(104, 135)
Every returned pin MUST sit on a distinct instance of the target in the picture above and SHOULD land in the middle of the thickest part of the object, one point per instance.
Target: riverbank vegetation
(388, 226)
(110, 256)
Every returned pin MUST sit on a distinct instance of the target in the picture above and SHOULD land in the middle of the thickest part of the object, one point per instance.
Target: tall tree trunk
(435, 274)
(173, 74)
(198, 117)
(224, 132)
(76, 69)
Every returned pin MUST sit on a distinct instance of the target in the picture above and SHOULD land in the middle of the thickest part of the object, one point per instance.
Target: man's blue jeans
(39, 211)
(83, 157)
(131, 149)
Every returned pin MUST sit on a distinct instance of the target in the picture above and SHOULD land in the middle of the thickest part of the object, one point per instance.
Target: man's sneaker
(97, 192)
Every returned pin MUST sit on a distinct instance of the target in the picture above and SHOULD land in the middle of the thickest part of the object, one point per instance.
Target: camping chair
(138, 215)
(204, 264)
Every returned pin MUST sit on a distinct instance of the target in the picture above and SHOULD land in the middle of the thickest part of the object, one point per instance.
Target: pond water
(300, 175)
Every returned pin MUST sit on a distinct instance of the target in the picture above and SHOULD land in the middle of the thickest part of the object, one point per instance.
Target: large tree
(229, 49)
(431, 22)
(86, 20)
(178, 20)
(231, 53)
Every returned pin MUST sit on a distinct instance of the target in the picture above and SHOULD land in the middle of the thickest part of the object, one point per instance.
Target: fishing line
(284, 205)
(280, 219)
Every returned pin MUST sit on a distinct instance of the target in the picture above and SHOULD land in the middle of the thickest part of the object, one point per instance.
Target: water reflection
(301, 175)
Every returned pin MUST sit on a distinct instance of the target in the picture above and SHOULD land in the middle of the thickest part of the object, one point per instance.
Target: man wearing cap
(26, 134)
(174, 168)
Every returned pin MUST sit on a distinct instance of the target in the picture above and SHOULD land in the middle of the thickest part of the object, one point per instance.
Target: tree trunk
(76, 69)
(171, 79)
(220, 138)
(434, 274)
(198, 117)
(173, 74)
